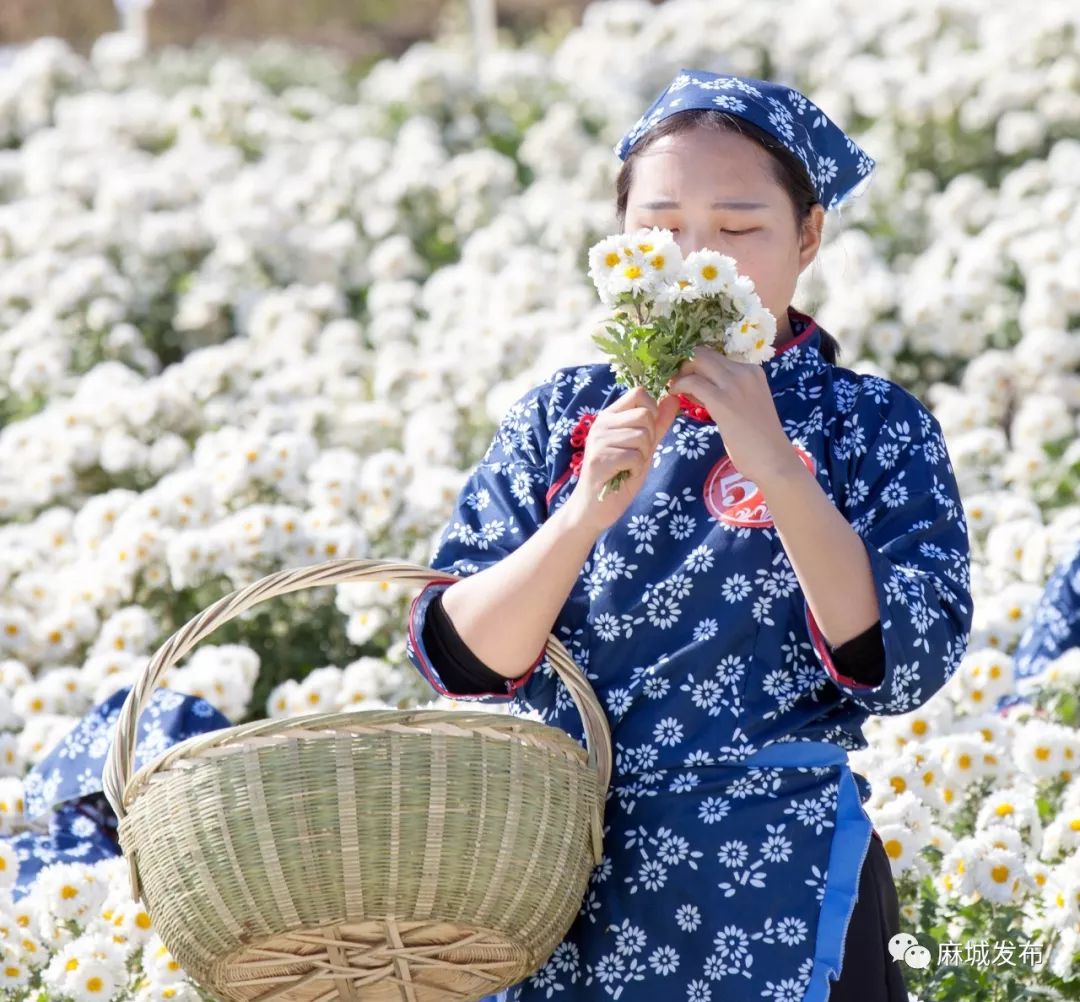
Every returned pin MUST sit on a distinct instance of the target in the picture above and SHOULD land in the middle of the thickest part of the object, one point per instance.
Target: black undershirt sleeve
(460, 669)
(861, 658)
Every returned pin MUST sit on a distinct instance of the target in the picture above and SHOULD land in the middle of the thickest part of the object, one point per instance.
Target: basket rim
(331, 726)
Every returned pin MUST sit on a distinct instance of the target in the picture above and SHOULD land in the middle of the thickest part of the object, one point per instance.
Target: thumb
(667, 411)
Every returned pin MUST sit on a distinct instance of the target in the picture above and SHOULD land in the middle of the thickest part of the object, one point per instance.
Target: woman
(1055, 626)
(789, 555)
(68, 819)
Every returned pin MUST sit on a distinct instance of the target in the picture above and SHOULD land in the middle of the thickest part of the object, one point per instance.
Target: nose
(690, 240)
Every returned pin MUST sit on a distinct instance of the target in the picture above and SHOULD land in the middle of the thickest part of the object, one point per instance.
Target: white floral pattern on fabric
(1055, 627)
(67, 784)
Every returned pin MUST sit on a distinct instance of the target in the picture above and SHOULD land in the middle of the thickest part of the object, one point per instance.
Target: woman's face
(715, 190)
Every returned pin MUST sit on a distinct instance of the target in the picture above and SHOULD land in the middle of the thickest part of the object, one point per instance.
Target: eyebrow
(729, 204)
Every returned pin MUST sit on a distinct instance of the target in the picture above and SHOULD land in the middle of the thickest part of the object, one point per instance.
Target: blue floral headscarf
(834, 161)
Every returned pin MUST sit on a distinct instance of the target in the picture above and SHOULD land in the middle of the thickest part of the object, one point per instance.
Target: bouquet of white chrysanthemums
(666, 305)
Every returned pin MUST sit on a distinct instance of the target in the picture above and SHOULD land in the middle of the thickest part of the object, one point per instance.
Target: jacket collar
(801, 356)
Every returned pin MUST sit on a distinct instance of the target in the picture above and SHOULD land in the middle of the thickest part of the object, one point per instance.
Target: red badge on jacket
(732, 498)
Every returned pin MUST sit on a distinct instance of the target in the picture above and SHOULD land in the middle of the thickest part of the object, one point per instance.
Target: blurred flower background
(262, 306)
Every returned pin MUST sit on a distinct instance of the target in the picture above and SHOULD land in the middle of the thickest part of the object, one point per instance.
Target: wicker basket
(417, 855)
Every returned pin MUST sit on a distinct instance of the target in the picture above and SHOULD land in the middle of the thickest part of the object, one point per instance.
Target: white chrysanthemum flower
(9, 864)
(352, 595)
(117, 665)
(71, 890)
(319, 689)
(1062, 834)
(1061, 893)
(16, 636)
(984, 676)
(712, 273)
(635, 278)
(680, 290)
(901, 846)
(605, 258)
(27, 948)
(178, 991)
(980, 508)
(40, 734)
(124, 922)
(957, 874)
(131, 629)
(96, 981)
(927, 778)
(365, 683)
(37, 699)
(1012, 609)
(752, 339)
(1013, 808)
(12, 801)
(941, 838)
(660, 252)
(1000, 837)
(1040, 748)
(283, 700)
(160, 965)
(14, 975)
(31, 912)
(925, 723)
(1000, 876)
(908, 811)
(994, 735)
(88, 967)
(363, 624)
(13, 674)
(1039, 873)
(900, 774)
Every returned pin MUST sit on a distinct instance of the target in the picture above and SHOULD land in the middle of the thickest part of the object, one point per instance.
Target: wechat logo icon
(904, 946)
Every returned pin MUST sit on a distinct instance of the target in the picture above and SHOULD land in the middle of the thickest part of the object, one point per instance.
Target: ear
(810, 238)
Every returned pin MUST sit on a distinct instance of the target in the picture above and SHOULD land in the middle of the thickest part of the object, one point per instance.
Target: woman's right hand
(623, 436)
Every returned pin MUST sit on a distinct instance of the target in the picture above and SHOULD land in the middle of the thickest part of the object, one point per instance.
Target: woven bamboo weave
(366, 855)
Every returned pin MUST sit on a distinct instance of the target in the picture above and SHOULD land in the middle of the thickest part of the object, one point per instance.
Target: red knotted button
(581, 430)
(696, 411)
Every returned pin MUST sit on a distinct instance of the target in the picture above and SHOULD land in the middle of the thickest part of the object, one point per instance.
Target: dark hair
(787, 170)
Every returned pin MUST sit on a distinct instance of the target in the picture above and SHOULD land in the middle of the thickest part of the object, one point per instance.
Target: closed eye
(734, 233)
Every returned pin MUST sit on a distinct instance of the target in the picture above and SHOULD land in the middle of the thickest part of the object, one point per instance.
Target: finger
(643, 416)
(623, 458)
(669, 409)
(639, 438)
(636, 397)
(694, 385)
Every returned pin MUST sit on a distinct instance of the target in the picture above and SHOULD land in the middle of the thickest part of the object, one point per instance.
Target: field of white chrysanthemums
(256, 314)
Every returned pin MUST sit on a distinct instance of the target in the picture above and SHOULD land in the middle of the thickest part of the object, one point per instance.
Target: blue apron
(735, 828)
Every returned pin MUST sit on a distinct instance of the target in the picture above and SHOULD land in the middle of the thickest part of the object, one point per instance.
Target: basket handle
(118, 764)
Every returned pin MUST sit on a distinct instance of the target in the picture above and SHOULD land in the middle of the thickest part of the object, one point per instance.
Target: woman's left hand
(738, 399)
